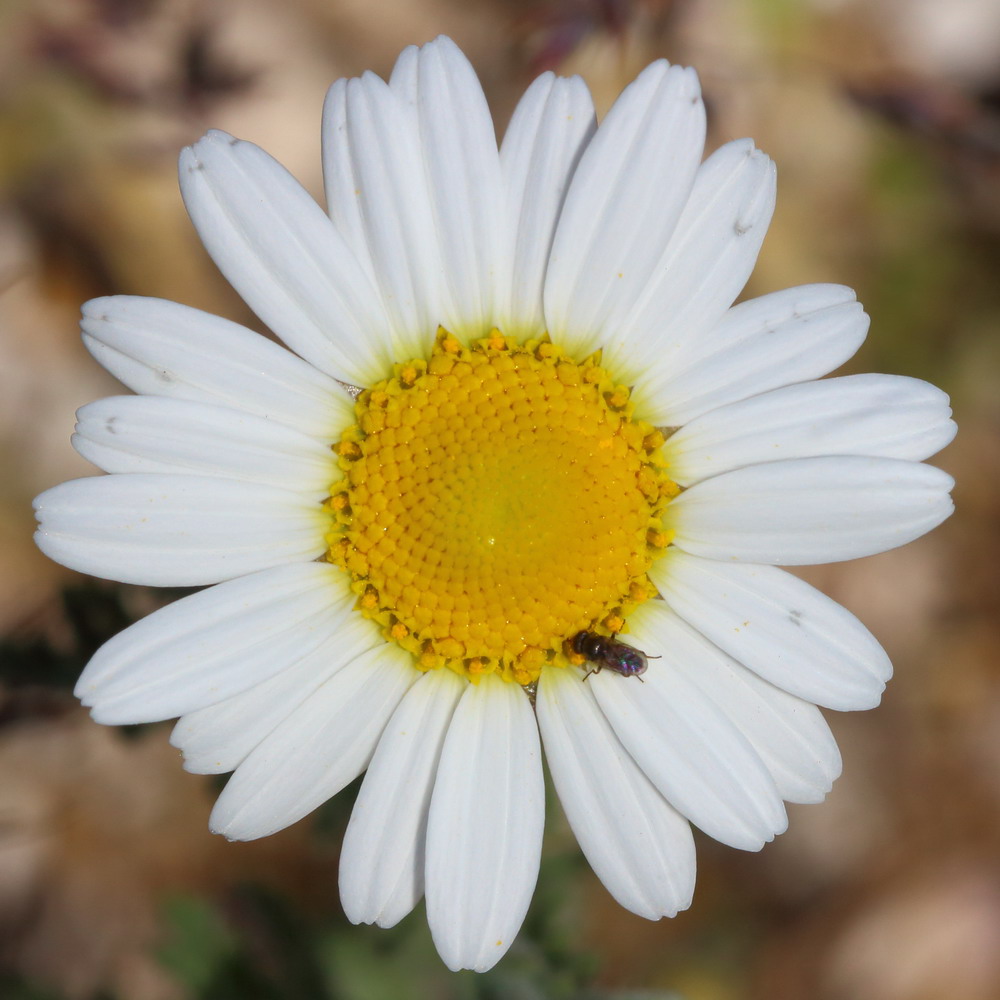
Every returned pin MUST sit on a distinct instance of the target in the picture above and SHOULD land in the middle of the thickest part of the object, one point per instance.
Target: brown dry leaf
(934, 935)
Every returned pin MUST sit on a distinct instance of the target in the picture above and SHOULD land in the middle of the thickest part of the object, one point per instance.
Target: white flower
(394, 579)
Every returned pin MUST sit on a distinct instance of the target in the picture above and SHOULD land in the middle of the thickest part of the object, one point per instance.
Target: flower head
(522, 416)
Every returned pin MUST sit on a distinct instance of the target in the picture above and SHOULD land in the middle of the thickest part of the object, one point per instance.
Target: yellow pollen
(614, 623)
(658, 539)
(496, 500)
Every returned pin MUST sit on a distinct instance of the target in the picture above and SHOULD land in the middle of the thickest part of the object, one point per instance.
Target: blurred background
(884, 119)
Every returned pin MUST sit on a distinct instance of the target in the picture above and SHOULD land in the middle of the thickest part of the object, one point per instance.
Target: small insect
(608, 654)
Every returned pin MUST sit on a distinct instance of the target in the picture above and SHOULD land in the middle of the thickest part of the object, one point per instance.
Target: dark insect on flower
(606, 653)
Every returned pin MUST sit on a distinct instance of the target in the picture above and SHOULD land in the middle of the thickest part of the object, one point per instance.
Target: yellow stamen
(496, 500)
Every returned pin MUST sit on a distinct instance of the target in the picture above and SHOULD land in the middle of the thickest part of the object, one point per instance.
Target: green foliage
(258, 945)
(198, 943)
(15, 988)
(93, 614)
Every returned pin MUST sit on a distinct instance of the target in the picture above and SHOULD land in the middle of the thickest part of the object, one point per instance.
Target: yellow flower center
(497, 500)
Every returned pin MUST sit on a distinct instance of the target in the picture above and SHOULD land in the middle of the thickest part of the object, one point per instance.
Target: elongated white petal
(778, 626)
(884, 416)
(382, 859)
(379, 198)
(176, 531)
(810, 510)
(484, 830)
(778, 339)
(458, 156)
(219, 737)
(156, 434)
(790, 735)
(160, 348)
(289, 263)
(698, 759)
(322, 746)
(549, 130)
(640, 847)
(704, 267)
(623, 204)
(214, 644)
(341, 184)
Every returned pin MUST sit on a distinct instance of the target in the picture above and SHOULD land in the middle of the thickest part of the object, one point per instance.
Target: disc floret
(497, 499)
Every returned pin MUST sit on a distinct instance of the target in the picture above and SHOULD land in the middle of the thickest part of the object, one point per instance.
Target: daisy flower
(518, 405)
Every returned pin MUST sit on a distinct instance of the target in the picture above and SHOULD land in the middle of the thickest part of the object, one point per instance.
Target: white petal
(382, 859)
(161, 348)
(484, 831)
(810, 510)
(778, 339)
(790, 735)
(289, 263)
(156, 434)
(639, 846)
(340, 182)
(213, 644)
(701, 763)
(381, 203)
(318, 749)
(458, 154)
(778, 626)
(704, 267)
(885, 416)
(219, 737)
(623, 203)
(176, 531)
(549, 130)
